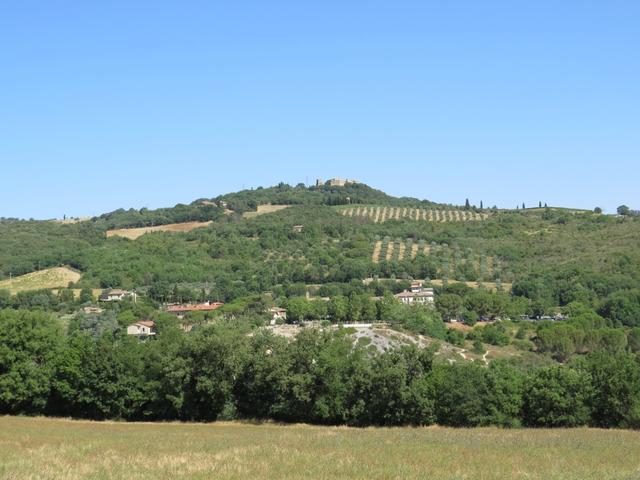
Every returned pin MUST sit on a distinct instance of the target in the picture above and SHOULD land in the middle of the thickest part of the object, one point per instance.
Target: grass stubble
(40, 448)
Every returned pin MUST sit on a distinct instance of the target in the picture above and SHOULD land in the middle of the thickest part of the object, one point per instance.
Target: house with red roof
(182, 310)
(142, 329)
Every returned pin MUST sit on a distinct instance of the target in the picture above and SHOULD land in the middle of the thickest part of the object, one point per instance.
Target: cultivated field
(58, 277)
(133, 233)
(262, 209)
(36, 448)
(382, 214)
(450, 259)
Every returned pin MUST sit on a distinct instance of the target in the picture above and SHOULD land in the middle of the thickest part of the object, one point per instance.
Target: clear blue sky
(139, 103)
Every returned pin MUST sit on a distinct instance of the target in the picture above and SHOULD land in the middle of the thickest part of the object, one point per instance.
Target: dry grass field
(58, 277)
(381, 214)
(262, 209)
(69, 221)
(133, 233)
(37, 448)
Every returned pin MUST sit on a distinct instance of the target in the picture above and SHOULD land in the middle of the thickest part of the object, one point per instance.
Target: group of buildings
(147, 328)
(415, 295)
(334, 182)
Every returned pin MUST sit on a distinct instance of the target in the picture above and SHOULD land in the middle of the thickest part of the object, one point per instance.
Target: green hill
(551, 257)
(475, 358)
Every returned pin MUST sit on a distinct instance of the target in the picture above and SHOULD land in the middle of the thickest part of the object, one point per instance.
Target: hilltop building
(335, 182)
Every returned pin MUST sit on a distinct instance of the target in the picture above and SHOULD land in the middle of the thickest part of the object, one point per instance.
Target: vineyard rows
(382, 214)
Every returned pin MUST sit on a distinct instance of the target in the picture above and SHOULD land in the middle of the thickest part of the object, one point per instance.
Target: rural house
(417, 294)
(142, 329)
(116, 295)
(277, 313)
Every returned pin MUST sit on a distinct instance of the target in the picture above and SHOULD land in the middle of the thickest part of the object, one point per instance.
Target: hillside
(133, 233)
(283, 194)
(530, 313)
(50, 278)
(549, 255)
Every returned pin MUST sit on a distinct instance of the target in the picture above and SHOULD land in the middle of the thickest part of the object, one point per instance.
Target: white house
(142, 329)
(116, 295)
(416, 295)
(277, 313)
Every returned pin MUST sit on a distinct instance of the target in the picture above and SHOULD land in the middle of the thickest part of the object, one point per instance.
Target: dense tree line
(285, 194)
(195, 212)
(220, 372)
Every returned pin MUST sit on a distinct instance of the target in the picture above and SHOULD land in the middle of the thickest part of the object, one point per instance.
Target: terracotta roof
(202, 307)
(146, 323)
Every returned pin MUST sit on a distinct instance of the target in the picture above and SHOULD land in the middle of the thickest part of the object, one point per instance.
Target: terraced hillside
(381, 214)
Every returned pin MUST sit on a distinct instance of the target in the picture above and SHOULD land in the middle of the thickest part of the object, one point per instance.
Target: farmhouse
(116, 295)
(416, 295)
(142, 329)
(298, 228)
(181, 310)
(277, 313)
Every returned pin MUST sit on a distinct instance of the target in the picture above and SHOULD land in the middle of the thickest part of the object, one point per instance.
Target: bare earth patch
(375, 257)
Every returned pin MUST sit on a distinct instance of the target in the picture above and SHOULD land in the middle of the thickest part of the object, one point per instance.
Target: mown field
(57, 277)
(133, 233)
(264, 209)
(40, 448)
